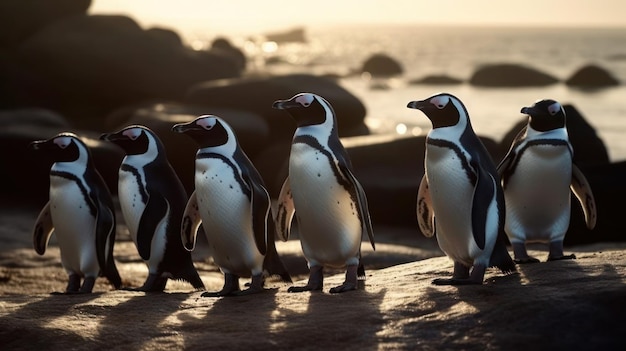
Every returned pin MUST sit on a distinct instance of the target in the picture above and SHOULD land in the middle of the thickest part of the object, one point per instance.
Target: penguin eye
(554, 109)
(440, 101)
(132, 134)
(63, 142)
(305, 100)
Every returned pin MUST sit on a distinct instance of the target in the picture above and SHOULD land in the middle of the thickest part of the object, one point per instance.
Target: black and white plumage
(460, 198)
(153, 199)
(232, 204)
(537, 174)
(321, 189)
(80, 212)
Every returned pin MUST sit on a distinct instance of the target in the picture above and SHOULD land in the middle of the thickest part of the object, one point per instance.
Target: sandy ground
(577, 304)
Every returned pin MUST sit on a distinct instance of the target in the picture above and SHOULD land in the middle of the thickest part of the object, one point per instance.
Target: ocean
(457, 52)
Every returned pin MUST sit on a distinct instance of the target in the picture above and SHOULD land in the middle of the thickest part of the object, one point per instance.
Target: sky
(264, 15)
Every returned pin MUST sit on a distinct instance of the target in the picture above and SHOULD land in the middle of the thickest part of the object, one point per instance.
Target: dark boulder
(26, 175)
(251, 130)
(510, 75)
(224, 45)
(98, 63)
(20, 19)
(592, 76)
(257, 94)
(382, 65)
(589, 149)
(436, 80)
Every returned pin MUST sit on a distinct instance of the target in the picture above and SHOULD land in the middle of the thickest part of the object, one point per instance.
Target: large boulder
(592, 76)
(589, 149)
(510, 75)
(25, 175)
(20, 19)
(257, 94)
(98, 63)
(382, 65)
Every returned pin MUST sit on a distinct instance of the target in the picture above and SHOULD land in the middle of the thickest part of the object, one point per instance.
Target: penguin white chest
(452, 196)
(537, 194)
(327, 214)
(226, 212)
(74, 226)
(133, 198)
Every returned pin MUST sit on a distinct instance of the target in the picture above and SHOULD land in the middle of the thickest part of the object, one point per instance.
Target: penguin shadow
(330, 321)
(230, 322)
(31, 323)
(136, 320)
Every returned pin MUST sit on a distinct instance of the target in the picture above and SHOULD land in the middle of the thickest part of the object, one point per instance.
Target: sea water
(457, 52)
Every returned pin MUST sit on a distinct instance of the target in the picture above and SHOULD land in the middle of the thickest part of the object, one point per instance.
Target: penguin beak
(418, 105)
(285, 104)
(528, 110)
(37, 145)
(183, 127)
(112, 137)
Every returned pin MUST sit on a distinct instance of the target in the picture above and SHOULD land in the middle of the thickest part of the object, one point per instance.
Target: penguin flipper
(156, 208)
(190, 223)
(425, 214)
(43, 229)
(286, 210)
(261, 206)
(105, 240)
(486, 187)
(581, 188)
(362, 204)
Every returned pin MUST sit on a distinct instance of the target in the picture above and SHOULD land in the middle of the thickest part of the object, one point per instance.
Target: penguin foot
(525, 260)
(88, 284)
(343, 288)
(254, 287)
(564, 257)
(231, 287)
(315, 283)
(73, 284)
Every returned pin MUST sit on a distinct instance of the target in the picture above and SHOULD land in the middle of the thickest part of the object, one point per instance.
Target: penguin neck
(453, 132)
(558, 133)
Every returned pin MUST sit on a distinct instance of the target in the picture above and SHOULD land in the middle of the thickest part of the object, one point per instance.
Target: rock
(166, 36)
(31, 182)
(592, 76)
(252, 131)
(589, 149)
(98, 63)
(257, 94)
(510, 75)
(382, 65)
(295, 35)
(437, 80)
(224, 45)
(20, 19)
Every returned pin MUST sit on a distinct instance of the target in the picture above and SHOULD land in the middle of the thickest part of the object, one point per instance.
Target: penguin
(80, 212)
(232, 204)
(321, 190)
(460, 199)
(152, 200)
(537, 174)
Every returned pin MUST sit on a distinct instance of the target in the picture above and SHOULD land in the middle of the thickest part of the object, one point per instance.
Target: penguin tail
(273, 265)
(500, 256)
(360, 272)
(190, 275)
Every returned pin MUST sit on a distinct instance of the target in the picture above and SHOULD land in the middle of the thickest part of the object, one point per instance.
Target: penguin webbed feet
(526, 260)
(563, 257)
(462, 275)
(74, 287)
(315, 283)
(556, 252)
(353, 273)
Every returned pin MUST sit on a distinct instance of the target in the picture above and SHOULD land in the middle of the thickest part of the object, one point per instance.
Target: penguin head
(545, 115)
(135, 140)
(307, 109)
(63, 147)
(207, 131)
(443, 110)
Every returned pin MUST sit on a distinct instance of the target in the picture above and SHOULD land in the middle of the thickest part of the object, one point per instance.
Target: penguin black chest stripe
(530, 143)
(233, 167)
(81, 186)
(471, 175)
(135, 173)
(313, 143)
